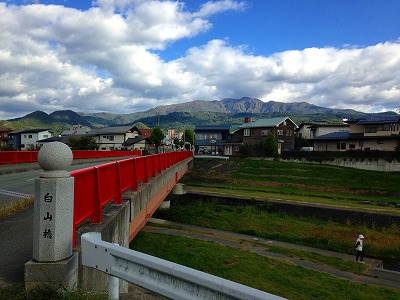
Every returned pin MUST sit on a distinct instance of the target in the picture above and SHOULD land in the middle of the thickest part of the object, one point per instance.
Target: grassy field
(334, 186)
(299, 182)
(259, 222)
(270, 275)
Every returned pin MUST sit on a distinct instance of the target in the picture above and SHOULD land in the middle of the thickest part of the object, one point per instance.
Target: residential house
(210, 139)
(14, 139)
(370, 132)
(75, 130)
(28, 139)
(141, 141)
(113, 138)
(310, 130)
(4, 137)
(227, 139)
(255, 132)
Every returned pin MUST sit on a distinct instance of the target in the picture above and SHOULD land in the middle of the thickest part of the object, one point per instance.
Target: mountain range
(186, 115)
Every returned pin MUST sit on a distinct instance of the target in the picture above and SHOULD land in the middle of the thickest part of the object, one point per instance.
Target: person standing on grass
(359, 248)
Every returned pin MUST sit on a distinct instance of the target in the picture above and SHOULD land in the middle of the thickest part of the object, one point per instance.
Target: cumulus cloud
(109, 58)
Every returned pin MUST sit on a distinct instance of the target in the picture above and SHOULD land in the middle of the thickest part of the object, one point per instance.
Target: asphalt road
(16, 231)
(23, 182)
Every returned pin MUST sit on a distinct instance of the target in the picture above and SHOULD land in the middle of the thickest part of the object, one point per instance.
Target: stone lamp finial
(55, 158)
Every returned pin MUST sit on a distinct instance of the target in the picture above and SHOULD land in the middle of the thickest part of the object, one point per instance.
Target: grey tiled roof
(333, 135)
(266, 122)
(375, 119)
(110, 130)
(212, 127)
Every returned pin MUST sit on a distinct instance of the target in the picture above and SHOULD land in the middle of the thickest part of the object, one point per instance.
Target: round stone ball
(55, 156)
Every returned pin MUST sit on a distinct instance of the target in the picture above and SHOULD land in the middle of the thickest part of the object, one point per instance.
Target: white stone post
(54, 203)
(53, 260)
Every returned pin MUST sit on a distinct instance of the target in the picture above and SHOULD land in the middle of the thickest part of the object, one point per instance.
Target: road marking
(14, 194)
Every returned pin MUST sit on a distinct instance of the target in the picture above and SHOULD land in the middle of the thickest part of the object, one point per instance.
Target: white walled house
(113, 138)
(309, 130)
(370, 132)
(30, 138)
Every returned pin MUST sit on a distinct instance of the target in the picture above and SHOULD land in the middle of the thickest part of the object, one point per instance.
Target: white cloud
(105, 59)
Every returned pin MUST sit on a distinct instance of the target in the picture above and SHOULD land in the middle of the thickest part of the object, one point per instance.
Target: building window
(236, 148)
(108, 137)
(371, 129)
(24, 136)
(384, 127)
(46, 136)
(342, 146)
(338, 146)
(288, 132)
(30, 136)
(264, 132)
(352, 146)
(246, 132)
(279, 132)
(380, 142)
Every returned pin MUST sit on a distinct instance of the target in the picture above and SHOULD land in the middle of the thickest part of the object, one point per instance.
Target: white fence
(161, 276)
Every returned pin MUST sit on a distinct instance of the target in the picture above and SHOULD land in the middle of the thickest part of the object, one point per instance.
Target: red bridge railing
(96, 186)
(16, 157)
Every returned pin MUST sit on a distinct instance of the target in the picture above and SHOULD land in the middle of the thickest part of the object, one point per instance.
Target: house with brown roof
(255, 132)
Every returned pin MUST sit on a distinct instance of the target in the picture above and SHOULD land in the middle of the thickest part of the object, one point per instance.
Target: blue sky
(123, 56)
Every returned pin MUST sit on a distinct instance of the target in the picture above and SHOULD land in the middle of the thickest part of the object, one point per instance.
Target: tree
(300, 142)
(7, 148)
(82, 143)
(244, 150)
(188, 137)
(157, 136)
(271, 145)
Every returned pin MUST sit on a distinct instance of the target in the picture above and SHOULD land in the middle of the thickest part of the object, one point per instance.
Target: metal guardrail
(161, 276)
(15, 194)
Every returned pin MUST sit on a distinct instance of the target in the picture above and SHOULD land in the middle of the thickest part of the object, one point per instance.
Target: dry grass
(13, 207)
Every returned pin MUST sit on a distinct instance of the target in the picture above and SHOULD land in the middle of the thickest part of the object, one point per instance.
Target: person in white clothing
(359, 248)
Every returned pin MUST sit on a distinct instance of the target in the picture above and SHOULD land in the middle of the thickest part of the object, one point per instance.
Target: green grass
(293, 195)
(330, 261)
(298, 182)
(256, 220)
(45, 292)
(270, 275)
(318, 175)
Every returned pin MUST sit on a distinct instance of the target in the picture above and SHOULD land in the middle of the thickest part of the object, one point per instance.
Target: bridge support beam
(146, 200)
(122, 222)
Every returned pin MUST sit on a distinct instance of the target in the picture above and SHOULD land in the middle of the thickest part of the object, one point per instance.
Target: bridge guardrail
(25, 156)
(93, 188)
(164, 277)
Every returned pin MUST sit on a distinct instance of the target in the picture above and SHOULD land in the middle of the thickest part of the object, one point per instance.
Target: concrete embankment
(325, 212)
(319, 211)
